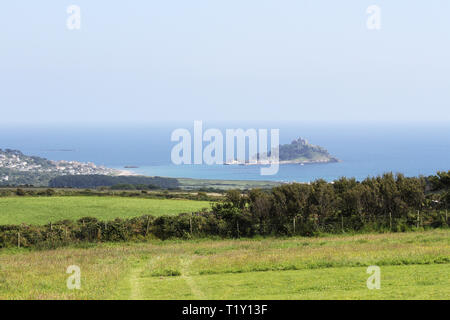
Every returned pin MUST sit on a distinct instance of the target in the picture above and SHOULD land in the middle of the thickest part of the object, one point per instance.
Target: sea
(365, 149)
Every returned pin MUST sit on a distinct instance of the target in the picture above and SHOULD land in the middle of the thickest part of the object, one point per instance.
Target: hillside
(17, 168)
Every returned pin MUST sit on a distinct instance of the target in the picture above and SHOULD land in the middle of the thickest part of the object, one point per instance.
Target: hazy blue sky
(146, 60)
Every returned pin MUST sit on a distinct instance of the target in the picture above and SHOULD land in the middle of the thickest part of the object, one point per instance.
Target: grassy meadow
(195, 184)
(413, 266)
(43, 210)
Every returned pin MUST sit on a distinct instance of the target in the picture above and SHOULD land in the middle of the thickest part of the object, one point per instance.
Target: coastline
(300, 162)
(125, 173)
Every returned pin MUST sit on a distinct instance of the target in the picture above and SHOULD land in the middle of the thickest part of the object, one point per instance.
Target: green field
(413, 266)
(195, 184)
(42, 210)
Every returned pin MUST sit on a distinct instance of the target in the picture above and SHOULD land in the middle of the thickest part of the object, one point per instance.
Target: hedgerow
(383, 204)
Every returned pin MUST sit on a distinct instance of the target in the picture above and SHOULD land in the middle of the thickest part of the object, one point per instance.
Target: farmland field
(195, 184)
(413, 266)
(42, 210)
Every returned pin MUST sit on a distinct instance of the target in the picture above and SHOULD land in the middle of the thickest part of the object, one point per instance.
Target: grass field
(195, 184)
(413, 266)
(42, 210)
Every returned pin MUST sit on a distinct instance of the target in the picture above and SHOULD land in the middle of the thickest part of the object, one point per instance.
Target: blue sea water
(365, 149)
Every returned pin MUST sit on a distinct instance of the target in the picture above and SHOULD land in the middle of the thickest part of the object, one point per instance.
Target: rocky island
(298, 152)
(302, 152)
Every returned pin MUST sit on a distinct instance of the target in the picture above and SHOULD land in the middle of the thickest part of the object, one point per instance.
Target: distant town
(14, 162)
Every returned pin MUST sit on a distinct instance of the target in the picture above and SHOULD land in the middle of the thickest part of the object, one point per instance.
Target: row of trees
(385, 203)
(109, 192)
(95, 181)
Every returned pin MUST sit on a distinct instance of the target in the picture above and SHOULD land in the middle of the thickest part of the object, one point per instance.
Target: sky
(260, 60)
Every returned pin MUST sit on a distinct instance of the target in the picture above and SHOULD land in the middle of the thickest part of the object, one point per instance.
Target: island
(299, 151)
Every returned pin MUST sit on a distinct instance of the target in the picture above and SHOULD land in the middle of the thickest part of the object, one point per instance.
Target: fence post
(190, 223)
(148, 224)
(18, 239)
(390, 221)
(237, 222)
(418, 218)
(342, 223)
(294, 225)
(316, 222)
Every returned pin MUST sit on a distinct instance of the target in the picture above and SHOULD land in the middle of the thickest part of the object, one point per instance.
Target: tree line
(386, 203)
(95, 181)
(132, 192)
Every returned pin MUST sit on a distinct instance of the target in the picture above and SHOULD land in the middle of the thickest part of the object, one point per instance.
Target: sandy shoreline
(125, 173)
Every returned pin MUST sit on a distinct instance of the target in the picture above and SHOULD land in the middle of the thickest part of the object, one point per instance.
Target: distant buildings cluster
(80, 168)
(14, 160)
